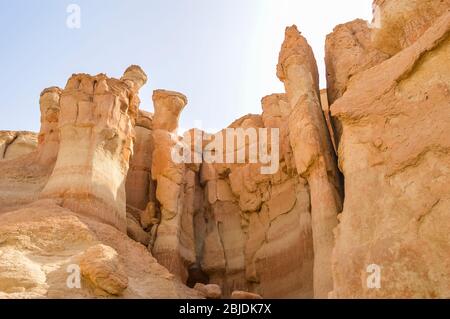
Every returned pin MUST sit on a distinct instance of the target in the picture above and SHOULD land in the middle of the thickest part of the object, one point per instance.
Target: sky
(221, 54)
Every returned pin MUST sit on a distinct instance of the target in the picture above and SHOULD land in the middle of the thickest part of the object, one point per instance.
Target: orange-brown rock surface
(96, 119)
(174, 186)
(43, 244)
(312, 149)
(28, 160)
(402, 22)
(62, 245)
(16, 144)
(394, 154)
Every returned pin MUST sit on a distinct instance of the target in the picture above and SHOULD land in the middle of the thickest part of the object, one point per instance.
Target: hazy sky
(221, 54)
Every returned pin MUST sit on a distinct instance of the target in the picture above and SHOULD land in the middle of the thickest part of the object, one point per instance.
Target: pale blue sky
(221, 54)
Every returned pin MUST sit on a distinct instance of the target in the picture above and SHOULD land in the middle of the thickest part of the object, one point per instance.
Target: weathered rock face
(312, 149)
(168, 107)
(172, 181)
(394, 153)
(399, 23)
(254, 233)
(139, 186)
(23, 178)
(89, 122)
(49, 133)
(96, 132)
(16, 144)
(231, 227)
(45, 246)
(348, 51)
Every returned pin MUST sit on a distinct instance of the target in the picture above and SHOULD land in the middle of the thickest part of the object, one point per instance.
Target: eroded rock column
(171, 178)
(313, 151)
(49, 133)
(140, 186)
(96, 133)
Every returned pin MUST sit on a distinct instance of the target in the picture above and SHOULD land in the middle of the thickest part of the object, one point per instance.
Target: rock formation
(16, 144)
(140, 189)
(394, 154)
(313, 150)
(45, 246)
(254, 233)
(88, 124)
(402, 22)
(172, 182)
(96, 119)
(29, 158)
(340, 193)
(348, 51)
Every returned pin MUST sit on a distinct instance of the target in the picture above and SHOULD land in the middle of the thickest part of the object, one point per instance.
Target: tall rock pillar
(170, 177)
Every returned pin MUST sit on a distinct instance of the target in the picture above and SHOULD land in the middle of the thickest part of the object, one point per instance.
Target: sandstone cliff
(356, 206)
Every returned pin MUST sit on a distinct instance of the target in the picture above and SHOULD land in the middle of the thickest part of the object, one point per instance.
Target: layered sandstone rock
(45, 248)
(16, 144)
(244, 295)
(257, 227)
(96, 119)
(174, 245)
(394, 153)
(49, 102)
(140, 187)
(400, 23)
(313, 150)
(348, 51)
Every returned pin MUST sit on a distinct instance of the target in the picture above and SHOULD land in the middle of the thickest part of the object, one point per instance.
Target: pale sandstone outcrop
(244, 295)
(96, 132)
(168, 107)
(23, 178)
(394, 154)
(45, 245)
(313, 150)
(140, 187)
(348, 51)
(227, 229)
(136, 232)
(16, 144)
